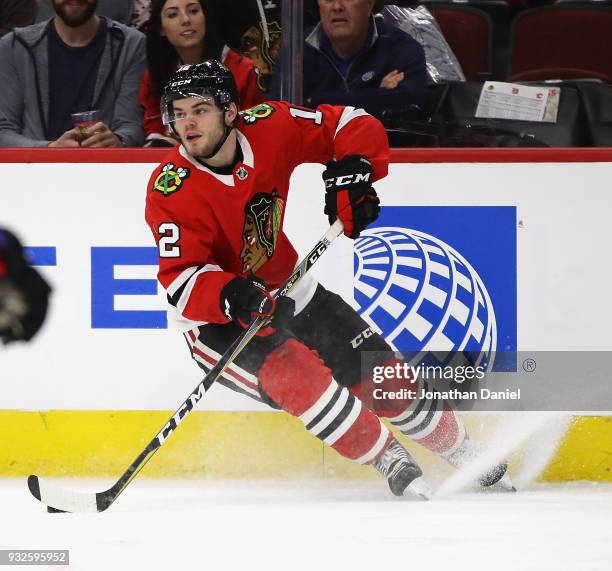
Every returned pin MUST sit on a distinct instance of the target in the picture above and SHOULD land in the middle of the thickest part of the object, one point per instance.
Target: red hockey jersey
(210, 227)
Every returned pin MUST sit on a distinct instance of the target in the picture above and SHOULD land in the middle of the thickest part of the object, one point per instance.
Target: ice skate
(495, 478)
(505, 484)
(403, 474)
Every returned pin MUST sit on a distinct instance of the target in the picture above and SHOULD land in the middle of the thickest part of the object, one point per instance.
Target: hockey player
(24, 293)
(216, 206)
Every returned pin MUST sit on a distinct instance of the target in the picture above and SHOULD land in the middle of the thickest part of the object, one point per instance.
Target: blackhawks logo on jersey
(261, 111)
(170, 179)
(262, 225)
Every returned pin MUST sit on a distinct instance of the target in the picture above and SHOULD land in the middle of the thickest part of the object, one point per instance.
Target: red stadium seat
(499, 12)
(557, 42)
(468, 31)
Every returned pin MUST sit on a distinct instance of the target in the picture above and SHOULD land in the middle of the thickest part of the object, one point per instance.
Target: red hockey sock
(433, 424)
(296, 379)
(429, 422)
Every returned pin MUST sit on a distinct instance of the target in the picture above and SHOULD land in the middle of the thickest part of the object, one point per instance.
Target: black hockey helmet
(209, 78)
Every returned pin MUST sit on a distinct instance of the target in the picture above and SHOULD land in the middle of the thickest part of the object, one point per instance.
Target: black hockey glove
(350, 195)
(244, 299)
(24, 293)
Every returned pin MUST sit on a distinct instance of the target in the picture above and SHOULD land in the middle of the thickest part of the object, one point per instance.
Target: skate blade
(506, 484)
(419, 489)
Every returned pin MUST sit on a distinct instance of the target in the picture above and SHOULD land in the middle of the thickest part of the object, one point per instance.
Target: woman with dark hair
(186, 32)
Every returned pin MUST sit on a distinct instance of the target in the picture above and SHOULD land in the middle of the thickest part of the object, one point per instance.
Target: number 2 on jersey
(169, 235)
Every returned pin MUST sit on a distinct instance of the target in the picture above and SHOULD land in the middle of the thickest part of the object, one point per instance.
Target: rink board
(105, 346)
(250, 445)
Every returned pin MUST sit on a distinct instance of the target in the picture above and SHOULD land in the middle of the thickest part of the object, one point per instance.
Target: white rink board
(563, 247)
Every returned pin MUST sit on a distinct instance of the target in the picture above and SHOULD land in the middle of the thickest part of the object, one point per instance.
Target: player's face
(75, 13)
(200, 124)
(183, 23)
(345, 19)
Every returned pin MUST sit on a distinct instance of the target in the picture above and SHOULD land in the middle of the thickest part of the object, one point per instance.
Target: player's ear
(230, 114)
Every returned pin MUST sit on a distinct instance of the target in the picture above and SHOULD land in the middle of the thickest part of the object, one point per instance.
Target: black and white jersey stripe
(180, 289)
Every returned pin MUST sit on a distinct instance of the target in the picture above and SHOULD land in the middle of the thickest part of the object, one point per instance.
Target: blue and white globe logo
(423, 296)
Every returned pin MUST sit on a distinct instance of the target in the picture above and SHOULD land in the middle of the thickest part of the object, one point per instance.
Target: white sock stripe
(309, 415)
(346, 424)
(332, 414)
(428, 429)
(419, 418)
(406, 413)
(377, 448)
(432, 424)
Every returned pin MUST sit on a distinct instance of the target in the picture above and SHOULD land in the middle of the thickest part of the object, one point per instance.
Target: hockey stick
(60, 499)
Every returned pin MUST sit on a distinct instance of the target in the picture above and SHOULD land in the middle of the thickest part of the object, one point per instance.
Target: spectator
(141, 15)
(185, 32)
(118, 10)
(75, 61)
(15, 14)
(251, 27)
(352, 59)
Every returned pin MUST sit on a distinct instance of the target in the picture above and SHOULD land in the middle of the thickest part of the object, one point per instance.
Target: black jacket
(389, 49)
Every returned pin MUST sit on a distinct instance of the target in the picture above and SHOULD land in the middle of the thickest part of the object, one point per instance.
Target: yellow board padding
(104, 443)
(249, 445)
(585, 452)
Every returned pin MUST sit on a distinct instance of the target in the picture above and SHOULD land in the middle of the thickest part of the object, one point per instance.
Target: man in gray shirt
(76, 61)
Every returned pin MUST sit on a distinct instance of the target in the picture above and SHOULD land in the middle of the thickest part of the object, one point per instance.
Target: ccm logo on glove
(348, 179)
(350, 195)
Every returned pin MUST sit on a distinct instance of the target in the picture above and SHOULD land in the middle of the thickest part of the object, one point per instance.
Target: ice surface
(328, 526)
